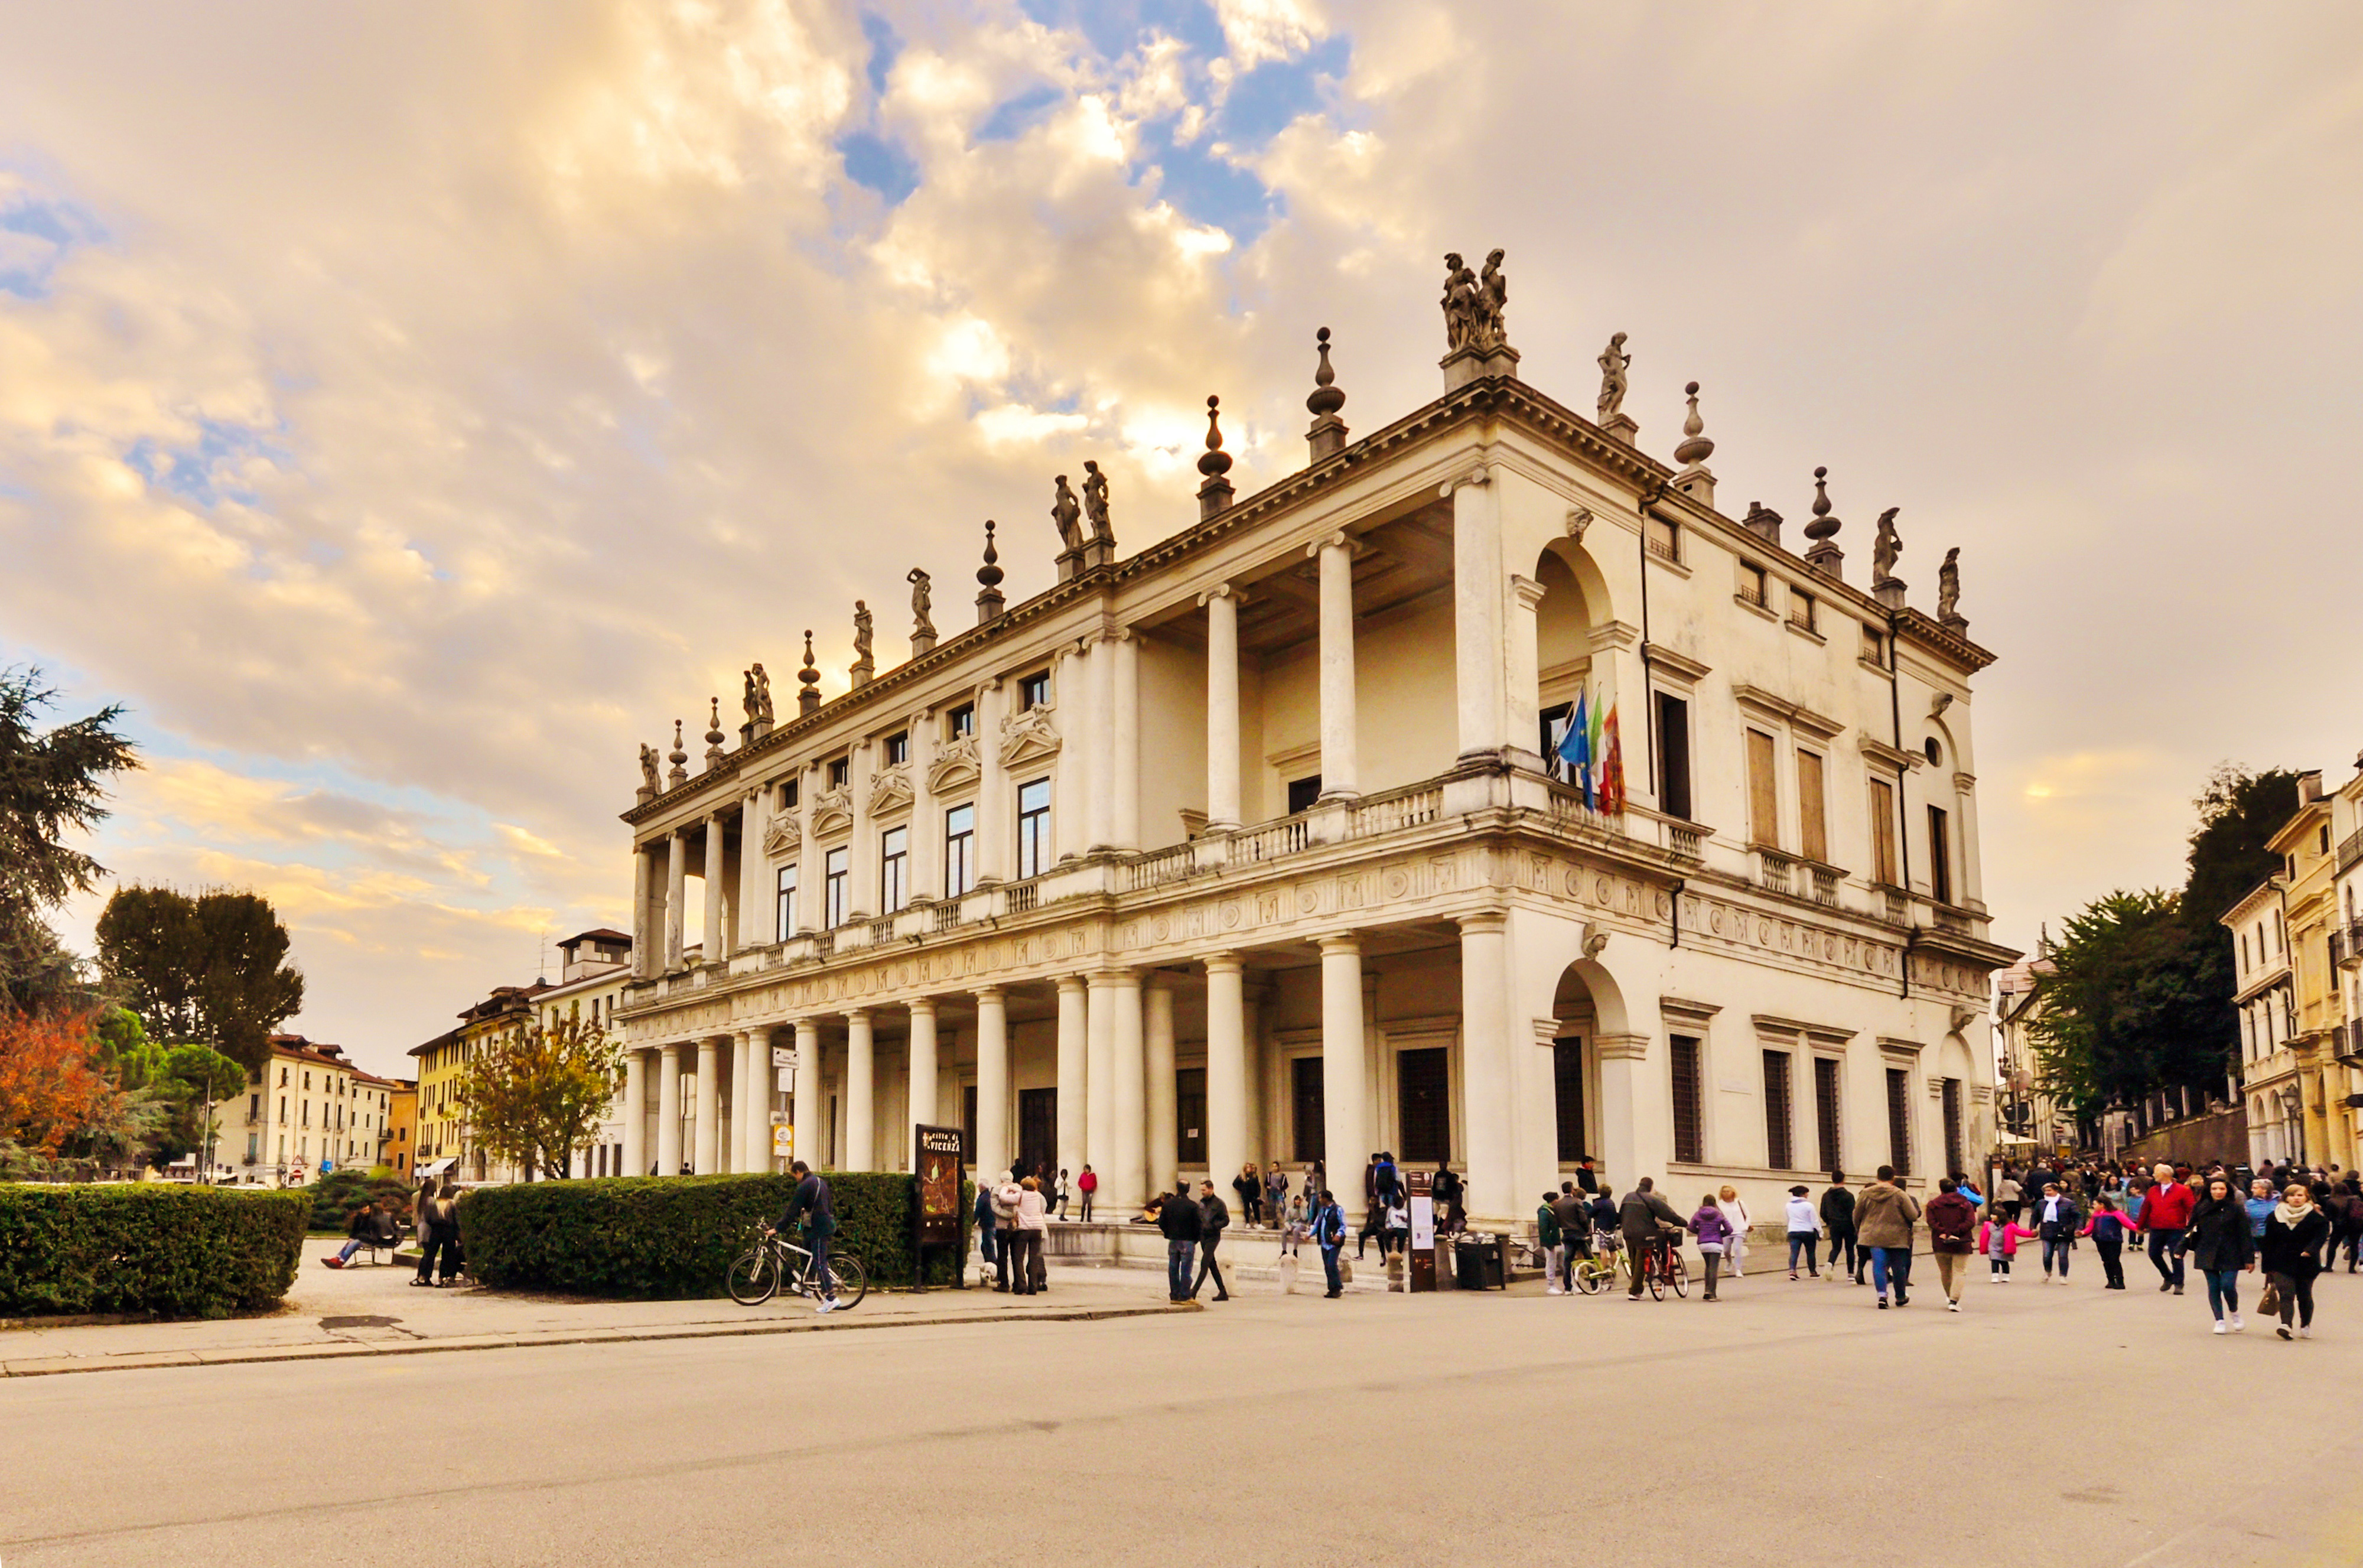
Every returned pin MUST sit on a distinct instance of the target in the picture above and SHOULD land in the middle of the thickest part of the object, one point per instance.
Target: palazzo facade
(1262, 844)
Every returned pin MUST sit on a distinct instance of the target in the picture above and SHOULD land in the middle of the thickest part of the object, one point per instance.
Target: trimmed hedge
(674, 1236)
(172, 1250)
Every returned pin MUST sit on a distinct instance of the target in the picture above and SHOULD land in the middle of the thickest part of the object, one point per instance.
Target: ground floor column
(1344, 1093)
(1073, 1064)
(708, 1105)
(1622, 1058)
(991, 1151)
(1099, 1079)
(1156, 1040)
(742, 1104)
(919, 1100)
(669, 1108)
(1130, 1108)
(806, 1108)
(1227, 1069)
(635, 1112)
(860, 1095)
(1486, 1067)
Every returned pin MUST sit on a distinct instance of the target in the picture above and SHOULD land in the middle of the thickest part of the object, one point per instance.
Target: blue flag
(1575, 750)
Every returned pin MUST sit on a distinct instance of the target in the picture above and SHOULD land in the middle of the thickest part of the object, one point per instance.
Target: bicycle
(773, 1264)
(1595, 1271)
(1661, 1265)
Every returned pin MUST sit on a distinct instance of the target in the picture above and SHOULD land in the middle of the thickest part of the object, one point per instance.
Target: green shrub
(671, 1237)
(340, 1194)
(172, 1250)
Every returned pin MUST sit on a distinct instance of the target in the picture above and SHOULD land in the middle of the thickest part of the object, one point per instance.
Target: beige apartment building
(309, 1110)
(1268, 841)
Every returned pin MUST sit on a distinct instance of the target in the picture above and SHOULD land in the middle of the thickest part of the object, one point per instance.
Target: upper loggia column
(1525, 673)
(644, 940)
(754, 913)
(808, 862)
(1486, 1065)
(861, 873)
(1125, 740)
(919, 1103)
(996, 822)
(1130, 1177)
(636, 1111)
(991, 1152)
(676, 900)
(716, 941)
(708, 1106)
(1164, 1157)
(1226, 1068)
(1099, 797)
(1478, 635)
(1340, 769)
(1074, 1070)
(924, 868)
(1070, 770)
(860, 1095)
(804, 1109)
(1344, 1127)
(1222, 706)
(669, 1108)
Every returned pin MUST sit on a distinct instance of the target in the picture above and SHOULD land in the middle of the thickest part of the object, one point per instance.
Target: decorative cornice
(1797, 714)
(1659, 654)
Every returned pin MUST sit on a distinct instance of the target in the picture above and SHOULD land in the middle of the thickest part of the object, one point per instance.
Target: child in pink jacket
(2000, 1243)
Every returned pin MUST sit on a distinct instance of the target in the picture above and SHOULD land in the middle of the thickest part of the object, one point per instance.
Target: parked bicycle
(772, 1264)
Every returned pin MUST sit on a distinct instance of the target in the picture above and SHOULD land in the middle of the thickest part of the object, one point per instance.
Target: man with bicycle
(811, 1200)
(1649, 1221)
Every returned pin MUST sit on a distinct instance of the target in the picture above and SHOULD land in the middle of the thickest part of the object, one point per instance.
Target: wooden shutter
(1953, 1165)
(1763, 794)
(1690, 1142)
(1825, 1113)
(1673, 756)
(1898, 1120)
(1813, 821)
(1940, 856)
(1778, 1144)
(1567, 1085)
(1882, 833)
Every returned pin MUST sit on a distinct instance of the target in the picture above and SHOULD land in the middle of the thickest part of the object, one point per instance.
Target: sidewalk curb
(141, 1361)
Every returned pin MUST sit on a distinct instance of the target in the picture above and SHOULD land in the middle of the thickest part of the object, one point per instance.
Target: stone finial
(1762, 521)
(989, 598)
(713, 752)
(650, 786)
(1886, 549)
(1328, 436)
(1824, 554)
(864, 630)
(923, 618)
(808, 680)
(1949, 594)
(678, 775)
(1215, 463)
(1695, 480)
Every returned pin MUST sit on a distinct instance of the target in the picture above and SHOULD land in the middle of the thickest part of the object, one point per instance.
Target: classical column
(1624, 1060)
(734, 1139)
(1071, 770)
(1477, 631)
(1340, 775)
(669, 1108)
(1123, 749)
(1099, 1079)
(1263, 1096)
(924, 870)
(754, 911)
(676, 900)
(1164, 1157)
(860, 1095)
(636, 1108)
(1130, 1178)
(1344, 1133)
(1525, 674)
(715, 941)
(919, 1104)
(1073, 1070)
(806, 1109)
(861, 873)
(708, 1106)
(1222, 706)
(1226, 1068)
(809, 891)
(643, 937)
(1486, 1065)
(1099, 681)
(996, 822)
(991, 1151)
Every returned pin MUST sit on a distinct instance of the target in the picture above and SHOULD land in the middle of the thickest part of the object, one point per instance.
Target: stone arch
(1587, 1007)
(1574, 603)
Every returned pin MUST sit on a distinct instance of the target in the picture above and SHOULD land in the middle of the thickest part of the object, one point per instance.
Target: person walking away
(1275, 1193)
(1006, 1197)
(1951, 1218)
(438, 1239)
(2352, 1206)
(2006, 1193)
(1574, 1212)
(1213, 1218)
(1838, 1215)
(1804, 1231)
(988, 1241)
(2056, 1221)
(1088, 1184)
(2107, 1228)
(1968, 1190)
(1248, 1185)
(810, 1202)
(2221, 1247)
(1644, 1216)
(1998, 1239)
(1713, 1228)
(2165, 1212)
(2293, 1235)
(1021, 1240)
(1329, 1235)
(1547, 1242)
(1178, 1216)
(371, 1226)
(1734, 1213)
(1884, 1214)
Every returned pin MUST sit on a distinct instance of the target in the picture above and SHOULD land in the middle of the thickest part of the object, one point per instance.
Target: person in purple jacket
(1712, 1230)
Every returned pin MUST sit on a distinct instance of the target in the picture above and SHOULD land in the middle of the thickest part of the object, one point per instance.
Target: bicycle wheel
(753, 1279)
(1654, 1270)
(1592, 1274)
(1676, 1275)
(852, 1281)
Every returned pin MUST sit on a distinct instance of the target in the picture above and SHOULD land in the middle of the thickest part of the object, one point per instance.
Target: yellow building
(445, 1146)
(401, 1154)
(2310, 909)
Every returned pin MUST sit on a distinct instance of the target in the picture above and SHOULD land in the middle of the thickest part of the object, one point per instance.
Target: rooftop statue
(1462, 305)
(922, 623)
(1095, 504)
(1067, 512)
(648, 781)
(1886, 549)
(1614, 364)
(1948, 588)
(1492, 303)
(862, 634)
(757, 700)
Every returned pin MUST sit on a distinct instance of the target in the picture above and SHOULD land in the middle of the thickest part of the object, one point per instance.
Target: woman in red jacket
(2165, 1215)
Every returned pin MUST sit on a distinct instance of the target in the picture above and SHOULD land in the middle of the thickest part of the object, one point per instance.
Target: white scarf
(2290, 1217)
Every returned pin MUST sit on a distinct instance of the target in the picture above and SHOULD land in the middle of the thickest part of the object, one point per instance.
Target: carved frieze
(1028, 736)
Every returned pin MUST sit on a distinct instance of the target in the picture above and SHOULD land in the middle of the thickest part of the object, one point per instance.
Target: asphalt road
(1786, 1424)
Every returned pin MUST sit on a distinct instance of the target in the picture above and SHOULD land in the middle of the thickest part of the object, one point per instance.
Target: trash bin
(1477, 1263)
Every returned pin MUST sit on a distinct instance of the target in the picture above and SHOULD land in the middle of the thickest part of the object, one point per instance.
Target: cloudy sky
(406, 410)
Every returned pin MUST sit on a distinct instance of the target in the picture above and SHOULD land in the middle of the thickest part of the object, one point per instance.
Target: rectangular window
(1567, 1095)
(1812, 820)
(1825, 1113)
(254, 1105)
(968, 1123)
(959, 850)
(1303, 793)
(1874, 647)
(1779, 1140)
(1674, 755)
(1664, 542)
(1689, 1132)
(1802, 609)
(1882, 833)
(787, 915)
(1037, 1131)
(1940, 856)
(1033, 829)
(1953, 1141)
(1424, 1092)
(788, 795)
(1763, 792)
(1751, 583)
(897, 748)
(1899, 1120)
(1305, 1108)
(1034, 690)
(960, 721)
(834, 866)
(1190, 1119)
(840, 772)
(894, 865)
(1554, 722)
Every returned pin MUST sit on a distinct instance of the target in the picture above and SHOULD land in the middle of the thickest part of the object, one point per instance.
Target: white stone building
(1244, 847)
(595, 967)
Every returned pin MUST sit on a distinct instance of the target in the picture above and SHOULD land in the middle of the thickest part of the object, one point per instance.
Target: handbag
(2268, 1305)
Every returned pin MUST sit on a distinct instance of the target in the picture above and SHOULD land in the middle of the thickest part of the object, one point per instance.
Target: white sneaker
(1553, 1290)
(2306, 1332)
(2220, 1328)
(828, 1306)
(1952, 1307)
(2237, 1327)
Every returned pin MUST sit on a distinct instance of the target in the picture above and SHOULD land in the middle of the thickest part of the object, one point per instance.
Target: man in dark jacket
(1448, 1193)
(1586, 1178)
(1838, 1213)
(1952, 1238)
(1213, 1215)
(810, 1202)
(1178, 1218)
(1573, 1216)
(1646, 1218)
